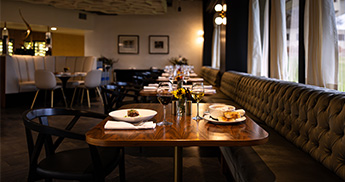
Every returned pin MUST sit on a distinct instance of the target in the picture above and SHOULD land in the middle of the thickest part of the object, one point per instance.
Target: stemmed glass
(197, 94)
(164, 96)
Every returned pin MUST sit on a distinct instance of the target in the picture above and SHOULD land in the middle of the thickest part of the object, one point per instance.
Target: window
(292, 20)
(339, 7)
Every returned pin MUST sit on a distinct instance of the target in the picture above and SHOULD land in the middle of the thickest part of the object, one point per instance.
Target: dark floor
(148, 164)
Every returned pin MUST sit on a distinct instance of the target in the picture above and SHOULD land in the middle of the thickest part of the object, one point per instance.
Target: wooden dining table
(182, 133)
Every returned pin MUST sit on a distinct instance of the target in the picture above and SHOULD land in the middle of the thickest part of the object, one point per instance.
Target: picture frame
(128, 44)
(159, 44)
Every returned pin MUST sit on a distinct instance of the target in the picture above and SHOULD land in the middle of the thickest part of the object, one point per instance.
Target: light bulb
(200, 32)
(218, 7)
(218, 20)
(224, 7)
(53, 28)
(224, 21)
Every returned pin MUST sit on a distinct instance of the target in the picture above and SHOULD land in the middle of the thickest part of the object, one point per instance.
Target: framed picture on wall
(128, 44)
(159, 44)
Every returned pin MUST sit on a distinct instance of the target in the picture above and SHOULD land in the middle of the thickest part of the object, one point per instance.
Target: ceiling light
(224, 7)
(218, 7)
(200, 32)
(224, 21)
(218, 20)
(53, 28)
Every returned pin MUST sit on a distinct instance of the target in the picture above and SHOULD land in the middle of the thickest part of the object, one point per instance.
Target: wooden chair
(43, 129)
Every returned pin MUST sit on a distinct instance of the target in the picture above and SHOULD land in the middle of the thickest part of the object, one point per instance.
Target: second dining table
(182, 133)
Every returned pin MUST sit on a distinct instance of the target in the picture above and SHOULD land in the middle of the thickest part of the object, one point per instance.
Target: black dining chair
(112, 97)
(46, 130)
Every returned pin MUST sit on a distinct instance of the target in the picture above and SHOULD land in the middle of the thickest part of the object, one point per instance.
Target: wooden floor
(145, 164)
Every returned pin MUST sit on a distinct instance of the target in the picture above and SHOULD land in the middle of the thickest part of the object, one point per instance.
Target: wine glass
(197, 94)
(164, 96)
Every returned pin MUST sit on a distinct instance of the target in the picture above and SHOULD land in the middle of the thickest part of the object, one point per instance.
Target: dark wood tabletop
(183, 132)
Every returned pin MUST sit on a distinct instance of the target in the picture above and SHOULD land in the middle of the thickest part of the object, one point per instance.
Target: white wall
(181, 27)
(102, 31)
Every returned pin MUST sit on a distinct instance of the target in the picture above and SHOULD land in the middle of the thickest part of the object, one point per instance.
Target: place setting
(224, 114)
(131, 119)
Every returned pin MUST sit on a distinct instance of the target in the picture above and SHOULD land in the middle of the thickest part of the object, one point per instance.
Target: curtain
(254, 39)
(216, 47)
(278, 50)
(321, 44)
(265, 37)
(293, 42)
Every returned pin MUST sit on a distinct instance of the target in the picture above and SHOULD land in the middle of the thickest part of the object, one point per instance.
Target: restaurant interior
(172, 90)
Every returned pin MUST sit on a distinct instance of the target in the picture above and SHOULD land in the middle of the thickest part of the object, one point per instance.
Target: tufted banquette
(306, 126)
(211, 76)
(20, 70)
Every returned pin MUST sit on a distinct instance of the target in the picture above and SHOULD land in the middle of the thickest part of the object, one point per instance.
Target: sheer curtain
(265, 37)
(216, 47)
(321, 44)
(293, 41)
(254, 39)
(278, 49)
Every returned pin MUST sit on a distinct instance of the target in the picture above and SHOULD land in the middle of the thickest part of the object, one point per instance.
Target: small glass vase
(181, 106)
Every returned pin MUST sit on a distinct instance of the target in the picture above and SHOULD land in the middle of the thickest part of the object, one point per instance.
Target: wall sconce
(200, 38)
(221, 10)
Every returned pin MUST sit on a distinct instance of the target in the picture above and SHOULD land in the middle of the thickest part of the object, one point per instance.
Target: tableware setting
(197, 94)
(127, 126)
(164, 96)
(224, 114)
(125, 115)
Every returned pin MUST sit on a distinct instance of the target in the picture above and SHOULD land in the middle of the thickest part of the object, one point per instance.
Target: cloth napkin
(207, 86)
(162, 78)
(165, 74)
(210, 91)
(121, 125)
(153, 84)
(195, 79)
(150, 88)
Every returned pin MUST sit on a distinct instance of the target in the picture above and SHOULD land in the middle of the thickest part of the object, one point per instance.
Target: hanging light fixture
(5, 38)
(221, 10)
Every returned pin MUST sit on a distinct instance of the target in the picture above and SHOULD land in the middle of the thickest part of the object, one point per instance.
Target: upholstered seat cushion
(290, 163)
(27, 86)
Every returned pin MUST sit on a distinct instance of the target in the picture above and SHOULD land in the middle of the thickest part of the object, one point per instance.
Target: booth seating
(20, 70)
(211, 75)
(306, 126)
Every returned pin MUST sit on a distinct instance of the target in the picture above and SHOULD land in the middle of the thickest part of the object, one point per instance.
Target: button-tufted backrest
(312, 118)
(211, 75)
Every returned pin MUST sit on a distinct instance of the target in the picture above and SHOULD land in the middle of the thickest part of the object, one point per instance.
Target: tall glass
(164, 96)
(197, 94)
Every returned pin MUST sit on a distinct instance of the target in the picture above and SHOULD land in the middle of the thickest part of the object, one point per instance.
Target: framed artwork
(159, 44)
(128, 44)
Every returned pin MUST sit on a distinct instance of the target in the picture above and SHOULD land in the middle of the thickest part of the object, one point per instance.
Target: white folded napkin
(193, 74)
(210, 91)
(165, 74)
(208, 86)
(153, 84)
(150, 88)
(162, 77)
(195, 79)
(121, 125)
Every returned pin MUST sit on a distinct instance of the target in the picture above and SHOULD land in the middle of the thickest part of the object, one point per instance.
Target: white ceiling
(119, 7)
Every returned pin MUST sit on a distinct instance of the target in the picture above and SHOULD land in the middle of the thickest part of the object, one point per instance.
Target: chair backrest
(111, 95)
(52, 126)
(93, 78)
(45, 79)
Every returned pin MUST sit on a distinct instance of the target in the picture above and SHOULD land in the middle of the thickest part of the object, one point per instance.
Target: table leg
(178, 164)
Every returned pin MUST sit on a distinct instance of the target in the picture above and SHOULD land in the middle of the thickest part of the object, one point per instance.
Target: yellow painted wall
(67, 45)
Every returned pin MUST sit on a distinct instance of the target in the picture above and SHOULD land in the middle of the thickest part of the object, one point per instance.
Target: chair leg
(52, 99)
(75, 89)
(33, 102)
(88, 98)
(82, 96)
(99, 94)
(122, 166)
(64, 97)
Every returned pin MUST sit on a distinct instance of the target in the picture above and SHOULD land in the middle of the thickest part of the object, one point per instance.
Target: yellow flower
(179, 93)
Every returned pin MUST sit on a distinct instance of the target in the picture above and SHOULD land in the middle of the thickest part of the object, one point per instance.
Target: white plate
(144, 115)
(210, 119)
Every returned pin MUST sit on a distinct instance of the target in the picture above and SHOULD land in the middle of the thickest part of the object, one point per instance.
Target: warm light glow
(224, 7)
(224, 21)
(218, 7)
(53, 28)
(200, 32)
(200, 39)
(218, 20)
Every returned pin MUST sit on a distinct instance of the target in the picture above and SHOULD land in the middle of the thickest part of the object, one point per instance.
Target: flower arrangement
(107, 62)
(178, 61)
(65, 69)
